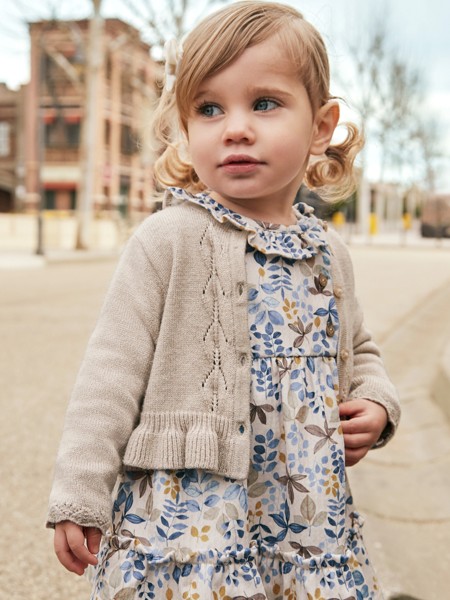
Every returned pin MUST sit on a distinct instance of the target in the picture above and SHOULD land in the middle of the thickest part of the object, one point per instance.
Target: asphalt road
(46, 317)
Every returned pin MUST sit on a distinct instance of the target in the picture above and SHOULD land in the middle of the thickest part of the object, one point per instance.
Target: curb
(11, 262)
(18, 261)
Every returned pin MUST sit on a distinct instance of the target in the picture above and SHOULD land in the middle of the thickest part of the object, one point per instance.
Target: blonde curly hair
(216, 43)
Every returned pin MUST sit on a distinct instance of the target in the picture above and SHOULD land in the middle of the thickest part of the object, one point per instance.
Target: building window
(73, 134)
(107, 133)
(50, 199)
(60, 134)
(5, 138)
(128, 141)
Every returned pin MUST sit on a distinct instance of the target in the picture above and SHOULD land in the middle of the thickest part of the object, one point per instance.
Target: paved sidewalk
(403, 490)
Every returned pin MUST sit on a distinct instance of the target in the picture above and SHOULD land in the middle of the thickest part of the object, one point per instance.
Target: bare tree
(387, 93)
(160, 20)
(429, 151)
(94, 63)
(400, 96)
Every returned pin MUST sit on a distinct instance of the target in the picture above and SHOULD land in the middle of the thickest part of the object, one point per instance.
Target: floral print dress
(290, 531)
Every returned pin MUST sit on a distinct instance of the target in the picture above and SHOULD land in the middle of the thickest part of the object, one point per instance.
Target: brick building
(43, 122)
(11, 148)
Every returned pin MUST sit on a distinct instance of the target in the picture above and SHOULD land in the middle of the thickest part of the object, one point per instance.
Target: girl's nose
(238, 129)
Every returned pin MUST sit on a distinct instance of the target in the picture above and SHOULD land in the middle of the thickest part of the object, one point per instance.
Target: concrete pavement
(402, 490)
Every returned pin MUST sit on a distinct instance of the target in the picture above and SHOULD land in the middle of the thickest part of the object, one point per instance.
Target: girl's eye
(209, 110)
(266, 104)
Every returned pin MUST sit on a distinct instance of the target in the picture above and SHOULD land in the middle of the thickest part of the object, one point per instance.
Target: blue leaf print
(269, 301)
(268, 288)
(134, 519)
(281, 535)
(252, 294)
(212, 500)
(321, 312)
(287, 567)
(175, 535)
(276, 318)
(260, 258)
(363, 593)
(279, 520)
(358, 577)
(269, 331)
(254, 308)
(192, 506)
(121, 496)
(161, 532)
(232, 492)
(194, 491)
(260, 317)
(297, 528)
(129, 502)
(186, 570)
(176, 574)
(310, 363)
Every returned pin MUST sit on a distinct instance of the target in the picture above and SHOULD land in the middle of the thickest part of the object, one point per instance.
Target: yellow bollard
(338, 219)
(373, 224)
(407, 221)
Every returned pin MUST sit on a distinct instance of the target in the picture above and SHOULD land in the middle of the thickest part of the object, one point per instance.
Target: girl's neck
(275, 214)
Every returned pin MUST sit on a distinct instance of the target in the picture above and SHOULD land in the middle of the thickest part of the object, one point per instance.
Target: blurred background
(78, 82)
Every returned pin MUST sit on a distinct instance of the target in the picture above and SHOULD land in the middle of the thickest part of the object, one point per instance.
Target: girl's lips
(240, 164)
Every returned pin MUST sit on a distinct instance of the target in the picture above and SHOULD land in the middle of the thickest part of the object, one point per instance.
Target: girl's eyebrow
(252, 91)
(269, 91)
(201, 94)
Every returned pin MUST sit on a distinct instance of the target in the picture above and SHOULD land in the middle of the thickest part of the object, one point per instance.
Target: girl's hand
(362, 421)
(70, 548)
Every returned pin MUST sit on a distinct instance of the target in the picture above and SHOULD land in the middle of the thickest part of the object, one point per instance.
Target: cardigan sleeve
(369, 379)
(105, 403)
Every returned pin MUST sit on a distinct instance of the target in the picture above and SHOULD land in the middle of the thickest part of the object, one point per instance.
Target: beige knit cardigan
(165, 382)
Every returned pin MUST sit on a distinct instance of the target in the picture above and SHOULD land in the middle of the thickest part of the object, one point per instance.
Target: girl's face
(252, 129)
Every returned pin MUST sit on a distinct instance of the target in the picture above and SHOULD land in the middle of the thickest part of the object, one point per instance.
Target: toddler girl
(229, 377)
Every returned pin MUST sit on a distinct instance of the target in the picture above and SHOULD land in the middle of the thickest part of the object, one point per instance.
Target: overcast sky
(419, 28)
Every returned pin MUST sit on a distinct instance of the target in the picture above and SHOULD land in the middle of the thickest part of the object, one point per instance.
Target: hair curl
(213, 45)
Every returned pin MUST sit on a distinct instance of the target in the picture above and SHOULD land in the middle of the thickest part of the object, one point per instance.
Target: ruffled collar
(299, 241)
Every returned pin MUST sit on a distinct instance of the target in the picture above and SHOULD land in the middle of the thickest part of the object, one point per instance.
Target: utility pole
(94, 62)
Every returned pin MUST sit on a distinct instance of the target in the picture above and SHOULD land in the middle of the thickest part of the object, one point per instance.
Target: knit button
(344, 354)
(241, 428)
(338, 292)
(243, 359)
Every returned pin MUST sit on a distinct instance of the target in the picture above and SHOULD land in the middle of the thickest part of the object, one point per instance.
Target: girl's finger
(356, 425)
(354, 456)
(93, 538)
(64, 553)
(361, 440)
(75, 539)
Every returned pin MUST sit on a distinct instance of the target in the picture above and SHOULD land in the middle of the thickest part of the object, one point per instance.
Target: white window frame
(5, 138)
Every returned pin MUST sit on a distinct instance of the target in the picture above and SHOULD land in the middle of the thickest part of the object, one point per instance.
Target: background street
(402, 491)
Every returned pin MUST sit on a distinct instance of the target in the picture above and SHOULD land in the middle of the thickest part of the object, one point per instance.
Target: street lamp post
(40, 140)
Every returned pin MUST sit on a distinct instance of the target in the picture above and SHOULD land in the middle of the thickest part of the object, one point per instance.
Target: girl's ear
(325, 123)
